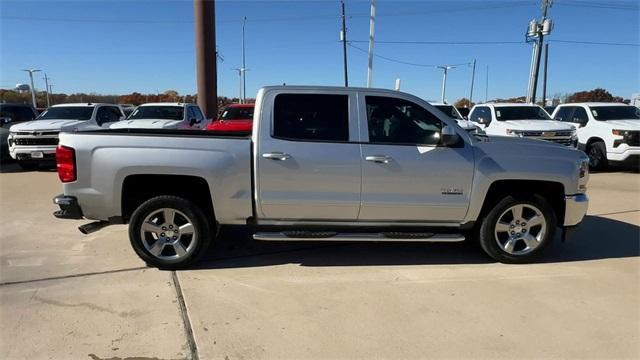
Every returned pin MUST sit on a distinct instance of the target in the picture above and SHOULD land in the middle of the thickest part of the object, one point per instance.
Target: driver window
(397, 121)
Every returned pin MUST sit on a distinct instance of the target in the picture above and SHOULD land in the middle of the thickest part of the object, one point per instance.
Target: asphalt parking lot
(67, 295)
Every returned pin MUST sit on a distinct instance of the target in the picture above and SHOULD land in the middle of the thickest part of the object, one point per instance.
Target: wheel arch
(136, 189)
(552, 191)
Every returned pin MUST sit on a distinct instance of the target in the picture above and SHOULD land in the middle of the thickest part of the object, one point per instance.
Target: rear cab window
(311, 117)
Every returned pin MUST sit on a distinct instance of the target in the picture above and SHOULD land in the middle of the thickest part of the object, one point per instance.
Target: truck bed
(105, 158)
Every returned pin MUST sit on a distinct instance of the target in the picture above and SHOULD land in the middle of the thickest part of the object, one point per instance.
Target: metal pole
(444, 83)
(33, 90)
(372, 25)
(486, 86)
(530, 87)
(473, 77)
(344, 45)
(244, 65)
(206, 67)
(544, 79)
(536, 68)
(51, 92)
(46, 83)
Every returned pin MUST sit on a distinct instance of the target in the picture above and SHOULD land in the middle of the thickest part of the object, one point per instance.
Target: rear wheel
(517, 229)
(597, 155)
(169, 232)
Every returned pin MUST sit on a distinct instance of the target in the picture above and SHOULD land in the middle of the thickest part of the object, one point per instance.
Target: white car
(607, 132)
(33, 142)
(164, 116)
(452, 112)
(523, 120)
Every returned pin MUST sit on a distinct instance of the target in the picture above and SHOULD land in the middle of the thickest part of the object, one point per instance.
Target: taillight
(66, 163)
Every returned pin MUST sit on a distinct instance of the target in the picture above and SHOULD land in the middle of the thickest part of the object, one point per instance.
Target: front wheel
(169, 232)
(597, 156)
(517, 229)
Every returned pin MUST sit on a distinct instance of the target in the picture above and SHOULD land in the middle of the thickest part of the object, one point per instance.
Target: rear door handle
(380, 159)
(276, 156)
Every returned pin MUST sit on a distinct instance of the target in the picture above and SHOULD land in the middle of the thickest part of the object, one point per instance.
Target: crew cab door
(406, 174)
(306, 166)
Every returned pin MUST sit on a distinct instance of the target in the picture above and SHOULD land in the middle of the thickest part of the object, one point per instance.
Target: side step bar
(333, 236)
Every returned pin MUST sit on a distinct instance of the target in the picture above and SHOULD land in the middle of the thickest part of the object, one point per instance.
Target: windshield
(521, 113)
(163, 112)
(237, 113)
(615, 112)
(449, 110)
(67, 112)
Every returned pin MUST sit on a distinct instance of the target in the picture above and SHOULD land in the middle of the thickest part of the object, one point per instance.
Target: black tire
(492, 244)
(25, 165)
(597, 153)
(183, 210)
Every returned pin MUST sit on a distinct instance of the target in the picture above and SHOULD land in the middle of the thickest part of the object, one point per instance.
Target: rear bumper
(575, 209)
(69, 208)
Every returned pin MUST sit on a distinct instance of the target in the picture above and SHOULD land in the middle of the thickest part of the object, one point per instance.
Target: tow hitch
(93, 227)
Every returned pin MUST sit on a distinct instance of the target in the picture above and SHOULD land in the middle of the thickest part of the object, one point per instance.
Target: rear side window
(481, 112)
(17, 113)
(563, 114)
(311, 117)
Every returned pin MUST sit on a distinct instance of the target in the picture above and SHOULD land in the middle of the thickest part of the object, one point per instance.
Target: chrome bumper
(575, 209)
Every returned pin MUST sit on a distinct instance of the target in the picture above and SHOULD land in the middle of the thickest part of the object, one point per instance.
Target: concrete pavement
(67, 295)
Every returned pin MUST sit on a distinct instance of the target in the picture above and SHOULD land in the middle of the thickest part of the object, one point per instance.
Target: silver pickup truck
(324, 163)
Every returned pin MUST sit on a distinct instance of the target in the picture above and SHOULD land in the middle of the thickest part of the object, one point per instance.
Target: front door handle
(380, 159)
(276, 156)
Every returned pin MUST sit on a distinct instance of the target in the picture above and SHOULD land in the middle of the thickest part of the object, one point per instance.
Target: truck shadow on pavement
(597, 238)
(8, 167)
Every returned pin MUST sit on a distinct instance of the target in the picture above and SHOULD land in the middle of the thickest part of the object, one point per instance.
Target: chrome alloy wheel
(168, 234)
(520, 229)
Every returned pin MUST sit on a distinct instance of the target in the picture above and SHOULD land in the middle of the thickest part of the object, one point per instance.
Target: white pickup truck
(164, 116)
(522, 120)
(453, 113)
(34, 142)
(324, 163)
(607, 132)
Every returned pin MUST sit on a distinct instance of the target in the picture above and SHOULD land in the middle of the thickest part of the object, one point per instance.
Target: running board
(333, 236)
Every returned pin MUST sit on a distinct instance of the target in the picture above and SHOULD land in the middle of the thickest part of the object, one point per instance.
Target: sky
(117, 47)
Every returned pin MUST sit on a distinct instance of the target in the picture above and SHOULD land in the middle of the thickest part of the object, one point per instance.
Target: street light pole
(372, 25)
(445, 68)
(33, 93)
(51, 91)
(46, 84)
(244, 65)
(473, 78)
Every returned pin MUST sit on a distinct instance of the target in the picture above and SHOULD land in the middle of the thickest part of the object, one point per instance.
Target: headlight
(619, 132)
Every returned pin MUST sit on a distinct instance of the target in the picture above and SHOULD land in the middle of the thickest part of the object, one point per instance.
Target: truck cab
(608, 132)
(522, 120)
(164, 116)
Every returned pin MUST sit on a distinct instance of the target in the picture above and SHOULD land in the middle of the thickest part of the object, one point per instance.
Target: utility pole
(444, 79)
(46, 84)
(372, 26)
(536, 33)
(343, 37)
(544, 78)
(244, 65)
(486, 86)
(51, 92)
(204, 12)
(239, 70)
(33, 91)
(473, 77)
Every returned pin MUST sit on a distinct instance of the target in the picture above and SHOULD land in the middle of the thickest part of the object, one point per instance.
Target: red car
(234, 118)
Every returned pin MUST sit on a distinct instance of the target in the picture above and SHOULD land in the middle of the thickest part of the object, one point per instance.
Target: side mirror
(448, 136)
(5, 120)
(483, 121)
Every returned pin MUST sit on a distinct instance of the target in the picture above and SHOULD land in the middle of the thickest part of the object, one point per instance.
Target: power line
(440, 42)
(598, 5)
(402, 61)
(592, 42)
